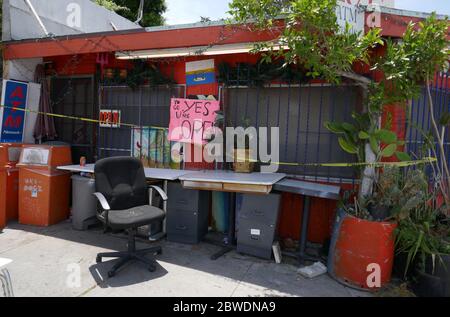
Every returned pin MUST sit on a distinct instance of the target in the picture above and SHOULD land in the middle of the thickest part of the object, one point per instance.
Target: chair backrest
(122, 181)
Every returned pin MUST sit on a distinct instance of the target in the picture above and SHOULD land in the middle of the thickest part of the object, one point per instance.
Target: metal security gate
(300, 112)
(142, 107)
(74, 96)
(419, 121)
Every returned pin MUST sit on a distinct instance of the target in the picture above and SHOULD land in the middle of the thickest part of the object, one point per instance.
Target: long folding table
(233, 183)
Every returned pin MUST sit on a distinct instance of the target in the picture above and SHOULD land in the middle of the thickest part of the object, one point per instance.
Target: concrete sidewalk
(49, 261)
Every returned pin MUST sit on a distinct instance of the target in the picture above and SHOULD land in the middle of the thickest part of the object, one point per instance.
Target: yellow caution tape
(428, 160)
(62, 116)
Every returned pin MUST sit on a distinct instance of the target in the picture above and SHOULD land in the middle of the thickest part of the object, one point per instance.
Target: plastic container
(220, 211)
(44, 191)
(84, 204)
(9, 182)
(435, 281)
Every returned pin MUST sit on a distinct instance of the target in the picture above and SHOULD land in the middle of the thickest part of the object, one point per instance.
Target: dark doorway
(74, 96)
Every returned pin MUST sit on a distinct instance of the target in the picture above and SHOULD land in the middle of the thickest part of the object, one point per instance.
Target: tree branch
(364, 81)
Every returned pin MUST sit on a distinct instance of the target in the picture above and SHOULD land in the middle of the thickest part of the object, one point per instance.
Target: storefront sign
(110, 118)
(14, 95)
(200, 72)
(191, 118)
(384, 3)
(351, 14)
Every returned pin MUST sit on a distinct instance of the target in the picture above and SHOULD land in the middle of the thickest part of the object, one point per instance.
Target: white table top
(89, 168)
(4, 262)
(309, 189)
(164, 174)
(263, 179)
(150, 173)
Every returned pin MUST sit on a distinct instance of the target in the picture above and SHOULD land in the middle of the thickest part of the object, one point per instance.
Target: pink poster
(191, 120)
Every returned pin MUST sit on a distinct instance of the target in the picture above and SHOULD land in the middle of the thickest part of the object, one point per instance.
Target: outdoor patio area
(45, 264)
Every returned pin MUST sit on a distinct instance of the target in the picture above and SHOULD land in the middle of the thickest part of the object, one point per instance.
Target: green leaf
(348, 146)
(374, 144)
(363, 135)
(402, 156)
(334, 127)
(348, 127)
(445, 119)
(386, 136)
(389, 151)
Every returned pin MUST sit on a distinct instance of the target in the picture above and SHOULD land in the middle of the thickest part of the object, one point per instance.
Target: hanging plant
(261, 73)
(141, 73)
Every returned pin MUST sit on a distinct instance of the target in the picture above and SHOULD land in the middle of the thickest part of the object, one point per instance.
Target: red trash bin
(9, 182)
(44, 191)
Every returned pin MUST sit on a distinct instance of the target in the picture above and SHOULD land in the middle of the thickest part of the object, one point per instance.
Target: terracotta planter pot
(359, 250)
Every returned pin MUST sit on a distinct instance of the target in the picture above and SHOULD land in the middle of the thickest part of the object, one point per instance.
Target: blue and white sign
(200, 73)
(12, 120)
(351, 14)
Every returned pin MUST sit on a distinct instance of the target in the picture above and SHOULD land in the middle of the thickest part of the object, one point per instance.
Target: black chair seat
(134, 218)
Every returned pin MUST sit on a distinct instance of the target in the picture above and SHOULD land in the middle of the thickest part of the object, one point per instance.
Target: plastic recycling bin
(84, 204)
(9, 182)
(44, 191)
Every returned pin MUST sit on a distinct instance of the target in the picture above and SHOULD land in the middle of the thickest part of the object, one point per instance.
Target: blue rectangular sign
(13, 120)
(200, 79)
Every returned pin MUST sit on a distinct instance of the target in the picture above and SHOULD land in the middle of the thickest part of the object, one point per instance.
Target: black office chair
(123, 193)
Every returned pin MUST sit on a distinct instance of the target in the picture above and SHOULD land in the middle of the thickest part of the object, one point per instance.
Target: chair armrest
(160, 192)
(103, 201)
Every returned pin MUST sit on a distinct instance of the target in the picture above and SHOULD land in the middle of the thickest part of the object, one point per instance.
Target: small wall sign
(110, 118)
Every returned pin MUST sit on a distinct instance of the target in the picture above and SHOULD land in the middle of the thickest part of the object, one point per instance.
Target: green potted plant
(423, 239)
(242, 155)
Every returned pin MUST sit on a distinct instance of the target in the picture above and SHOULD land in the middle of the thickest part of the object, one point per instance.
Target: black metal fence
(143, 107)
(299, 111)
(419, 117)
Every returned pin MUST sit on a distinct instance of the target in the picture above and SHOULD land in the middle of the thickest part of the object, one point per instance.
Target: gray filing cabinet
(187, 214)
(257, 220)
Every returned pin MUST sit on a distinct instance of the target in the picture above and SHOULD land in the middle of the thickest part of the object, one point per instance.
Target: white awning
(189, 51)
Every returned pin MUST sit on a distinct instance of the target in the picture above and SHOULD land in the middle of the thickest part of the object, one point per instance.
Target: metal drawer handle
(258, 213)
(255, 238)
(182, 228)
(182, 202)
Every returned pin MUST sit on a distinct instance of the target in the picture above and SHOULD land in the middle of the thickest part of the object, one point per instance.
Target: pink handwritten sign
(192, 119)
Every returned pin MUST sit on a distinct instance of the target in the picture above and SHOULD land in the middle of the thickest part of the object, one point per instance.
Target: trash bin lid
(10, 153)
(34, 156)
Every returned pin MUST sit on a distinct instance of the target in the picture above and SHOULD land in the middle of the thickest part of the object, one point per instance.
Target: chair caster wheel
(111, 274)
(152, 268)
(98, 260)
